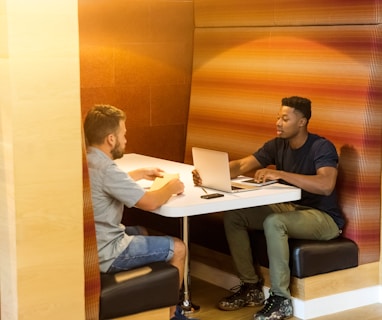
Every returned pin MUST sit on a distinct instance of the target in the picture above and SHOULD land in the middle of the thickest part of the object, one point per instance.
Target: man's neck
(299, 140)
(104, 149)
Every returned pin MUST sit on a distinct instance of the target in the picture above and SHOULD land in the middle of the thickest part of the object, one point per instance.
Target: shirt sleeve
(325, 154)
(121, 186)
(266, 154)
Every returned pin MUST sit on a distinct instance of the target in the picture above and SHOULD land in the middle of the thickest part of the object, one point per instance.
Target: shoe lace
(268, 305)
(237, 290)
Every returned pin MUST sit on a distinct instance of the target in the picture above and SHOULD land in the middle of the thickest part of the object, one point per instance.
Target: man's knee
(179, 248)
(272, 221)
(232, 218)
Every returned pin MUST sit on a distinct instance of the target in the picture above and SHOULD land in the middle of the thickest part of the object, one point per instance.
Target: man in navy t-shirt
(298, 158)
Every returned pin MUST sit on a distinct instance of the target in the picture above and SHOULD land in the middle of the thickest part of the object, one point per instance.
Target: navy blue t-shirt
(316, 152)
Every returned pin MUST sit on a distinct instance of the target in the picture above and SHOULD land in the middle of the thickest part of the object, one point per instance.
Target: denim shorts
(143, 250)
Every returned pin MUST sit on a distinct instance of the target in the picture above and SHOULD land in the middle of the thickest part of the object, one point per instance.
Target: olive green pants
(279, 222)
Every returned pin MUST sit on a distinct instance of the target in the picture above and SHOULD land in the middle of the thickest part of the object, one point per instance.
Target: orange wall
(137, 55)
(250, 54)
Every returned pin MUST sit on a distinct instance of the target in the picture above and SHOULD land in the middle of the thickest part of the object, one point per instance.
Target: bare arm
(323, 182)
(243, 165)
(146, 173)
(236, 167)
(152, 200)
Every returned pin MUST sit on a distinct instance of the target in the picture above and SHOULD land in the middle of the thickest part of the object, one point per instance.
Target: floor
(206, 296)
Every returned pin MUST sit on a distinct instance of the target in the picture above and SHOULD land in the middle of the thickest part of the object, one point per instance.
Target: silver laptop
(213, 168)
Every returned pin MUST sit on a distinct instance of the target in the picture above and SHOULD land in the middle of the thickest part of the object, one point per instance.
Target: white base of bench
(303, 309)
(336, 303)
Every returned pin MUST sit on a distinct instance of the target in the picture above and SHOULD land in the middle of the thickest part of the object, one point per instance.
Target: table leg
(187, 305)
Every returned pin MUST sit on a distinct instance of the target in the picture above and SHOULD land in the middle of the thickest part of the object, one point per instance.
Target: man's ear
(303, 121)
(110, 139)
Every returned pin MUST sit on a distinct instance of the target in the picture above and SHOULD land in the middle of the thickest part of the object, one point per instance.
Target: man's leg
(143, 250)
(299, 223)
(236, 224)
(178, 261)
(178, 247)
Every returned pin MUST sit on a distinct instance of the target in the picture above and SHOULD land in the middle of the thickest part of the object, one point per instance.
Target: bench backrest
(250, 54)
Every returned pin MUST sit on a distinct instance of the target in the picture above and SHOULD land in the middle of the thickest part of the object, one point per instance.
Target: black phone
(212, 195)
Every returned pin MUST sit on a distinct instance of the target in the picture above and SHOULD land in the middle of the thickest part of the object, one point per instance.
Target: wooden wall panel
(241, 74)
(137, 55)
(228, 13)
(41, 227)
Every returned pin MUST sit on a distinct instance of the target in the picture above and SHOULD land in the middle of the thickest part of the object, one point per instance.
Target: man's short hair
(301, 104)
(101, 121)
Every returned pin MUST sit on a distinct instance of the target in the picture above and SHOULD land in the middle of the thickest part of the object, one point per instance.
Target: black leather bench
(307, 257)
(151, 287)
(311, 257)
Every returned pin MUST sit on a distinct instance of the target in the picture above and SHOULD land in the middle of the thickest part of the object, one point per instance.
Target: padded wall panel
(228, 13)
(241, 74)
(92, 281)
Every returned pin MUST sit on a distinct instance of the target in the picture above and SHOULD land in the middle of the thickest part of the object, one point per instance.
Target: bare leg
(178, 261)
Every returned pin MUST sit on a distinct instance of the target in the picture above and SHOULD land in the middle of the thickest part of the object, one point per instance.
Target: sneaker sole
(251, 304)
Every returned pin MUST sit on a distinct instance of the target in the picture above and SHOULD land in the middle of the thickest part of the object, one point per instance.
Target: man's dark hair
(302, 105)
(101, 121)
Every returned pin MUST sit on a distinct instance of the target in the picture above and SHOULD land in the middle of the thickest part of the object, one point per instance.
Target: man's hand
(175, 186)
(151, 200)
(266, 174)
(323, 182)
(146, 173)
(196, 177)
(151, 173)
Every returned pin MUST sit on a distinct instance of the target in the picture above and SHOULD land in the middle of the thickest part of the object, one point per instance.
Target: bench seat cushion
(311, 257)
(157, 288)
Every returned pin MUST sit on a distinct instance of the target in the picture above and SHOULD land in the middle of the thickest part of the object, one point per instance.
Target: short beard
(115, 152)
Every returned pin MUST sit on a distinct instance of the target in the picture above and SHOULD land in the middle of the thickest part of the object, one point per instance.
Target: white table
(189, 203)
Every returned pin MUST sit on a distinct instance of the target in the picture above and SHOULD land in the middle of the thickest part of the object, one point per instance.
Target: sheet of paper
(160, 182)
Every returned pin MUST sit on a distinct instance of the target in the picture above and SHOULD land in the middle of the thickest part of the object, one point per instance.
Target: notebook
(213, 168)
(159, 182)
